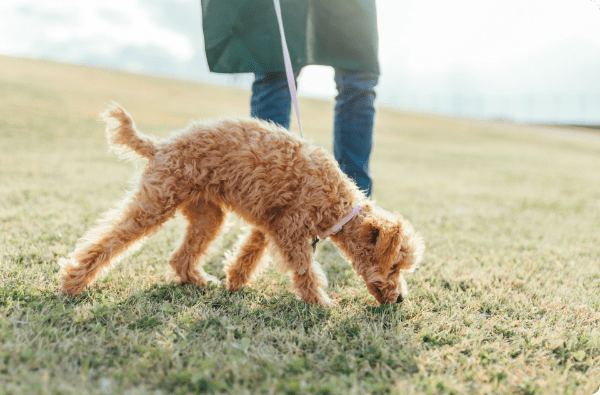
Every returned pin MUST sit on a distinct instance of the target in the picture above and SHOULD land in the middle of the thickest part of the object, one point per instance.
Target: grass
(507, 299)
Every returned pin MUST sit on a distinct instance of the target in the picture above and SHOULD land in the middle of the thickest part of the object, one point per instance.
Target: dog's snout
(400, 299)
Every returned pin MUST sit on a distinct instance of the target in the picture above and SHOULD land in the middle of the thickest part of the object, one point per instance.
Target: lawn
(507, 299)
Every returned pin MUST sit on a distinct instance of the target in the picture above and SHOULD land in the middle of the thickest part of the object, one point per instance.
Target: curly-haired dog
(288, 190)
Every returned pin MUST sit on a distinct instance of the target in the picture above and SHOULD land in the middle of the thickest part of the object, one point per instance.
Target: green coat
(242, 36)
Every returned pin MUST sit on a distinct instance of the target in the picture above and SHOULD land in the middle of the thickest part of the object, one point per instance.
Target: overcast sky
(428, 48)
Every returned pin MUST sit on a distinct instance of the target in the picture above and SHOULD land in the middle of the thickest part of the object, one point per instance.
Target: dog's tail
(123, 137)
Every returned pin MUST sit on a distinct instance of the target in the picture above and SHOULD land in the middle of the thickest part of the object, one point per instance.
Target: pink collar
(335, 228)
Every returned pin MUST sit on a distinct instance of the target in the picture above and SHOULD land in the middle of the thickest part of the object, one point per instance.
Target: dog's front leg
(311, 285)
(307, 275)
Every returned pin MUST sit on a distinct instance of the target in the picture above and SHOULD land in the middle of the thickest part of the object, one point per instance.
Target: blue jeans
(354, 117)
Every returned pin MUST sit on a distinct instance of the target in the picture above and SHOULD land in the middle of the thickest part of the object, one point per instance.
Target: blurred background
(534, 61)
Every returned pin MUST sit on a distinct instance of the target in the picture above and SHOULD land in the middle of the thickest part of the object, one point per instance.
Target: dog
(288, 190)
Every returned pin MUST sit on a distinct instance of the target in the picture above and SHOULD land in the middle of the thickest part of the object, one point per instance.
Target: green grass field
(507, 298)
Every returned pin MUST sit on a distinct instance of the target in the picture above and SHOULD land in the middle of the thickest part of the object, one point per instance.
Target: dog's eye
(394, 267)
(374, 236)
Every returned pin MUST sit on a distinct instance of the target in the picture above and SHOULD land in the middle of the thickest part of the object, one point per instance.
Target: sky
(520, 59)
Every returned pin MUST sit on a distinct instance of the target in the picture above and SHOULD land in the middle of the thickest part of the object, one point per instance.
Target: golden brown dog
(287, 189)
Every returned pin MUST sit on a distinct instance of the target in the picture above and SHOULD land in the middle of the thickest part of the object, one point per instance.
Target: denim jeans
(353, 123)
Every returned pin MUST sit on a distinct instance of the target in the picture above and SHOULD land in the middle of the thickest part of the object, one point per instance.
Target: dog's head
(395, 248)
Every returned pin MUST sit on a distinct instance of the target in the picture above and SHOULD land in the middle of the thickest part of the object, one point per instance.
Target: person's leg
(353, 125)
(271, 98)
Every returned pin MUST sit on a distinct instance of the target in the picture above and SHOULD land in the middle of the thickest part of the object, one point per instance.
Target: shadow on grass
(280, 341)
(183, 305)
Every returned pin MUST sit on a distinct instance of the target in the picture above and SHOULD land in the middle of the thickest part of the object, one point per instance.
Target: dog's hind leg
(307, 275)
(244, 265)
(140, 216)
(205, 223)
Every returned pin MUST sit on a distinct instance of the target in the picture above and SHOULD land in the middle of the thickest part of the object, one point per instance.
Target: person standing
(242, 36)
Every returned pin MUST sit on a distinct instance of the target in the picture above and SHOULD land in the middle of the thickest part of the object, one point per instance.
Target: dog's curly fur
(288, 190)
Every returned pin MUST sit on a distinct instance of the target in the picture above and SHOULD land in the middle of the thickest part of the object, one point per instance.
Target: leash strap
(337, 227)
(288, 65)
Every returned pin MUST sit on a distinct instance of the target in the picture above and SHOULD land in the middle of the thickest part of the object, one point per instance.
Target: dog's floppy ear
(386, 237)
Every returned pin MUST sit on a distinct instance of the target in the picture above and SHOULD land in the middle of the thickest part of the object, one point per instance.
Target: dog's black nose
(400, 299)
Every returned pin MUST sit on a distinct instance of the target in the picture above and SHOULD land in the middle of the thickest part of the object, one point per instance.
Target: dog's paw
(320, 299)
(326, 302)
(202, 281)
(197, 278)
(71, 277)
(235, 282)
(71, 287)
(232, 287)
(212, 280)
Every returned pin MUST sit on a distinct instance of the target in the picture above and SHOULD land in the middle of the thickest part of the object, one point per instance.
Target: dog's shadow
(190, 308)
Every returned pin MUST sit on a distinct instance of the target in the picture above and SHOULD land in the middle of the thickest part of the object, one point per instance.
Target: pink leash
(292, 85)
(288, 65)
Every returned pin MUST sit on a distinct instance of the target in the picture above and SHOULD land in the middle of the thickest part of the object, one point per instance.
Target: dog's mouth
(375, 289)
